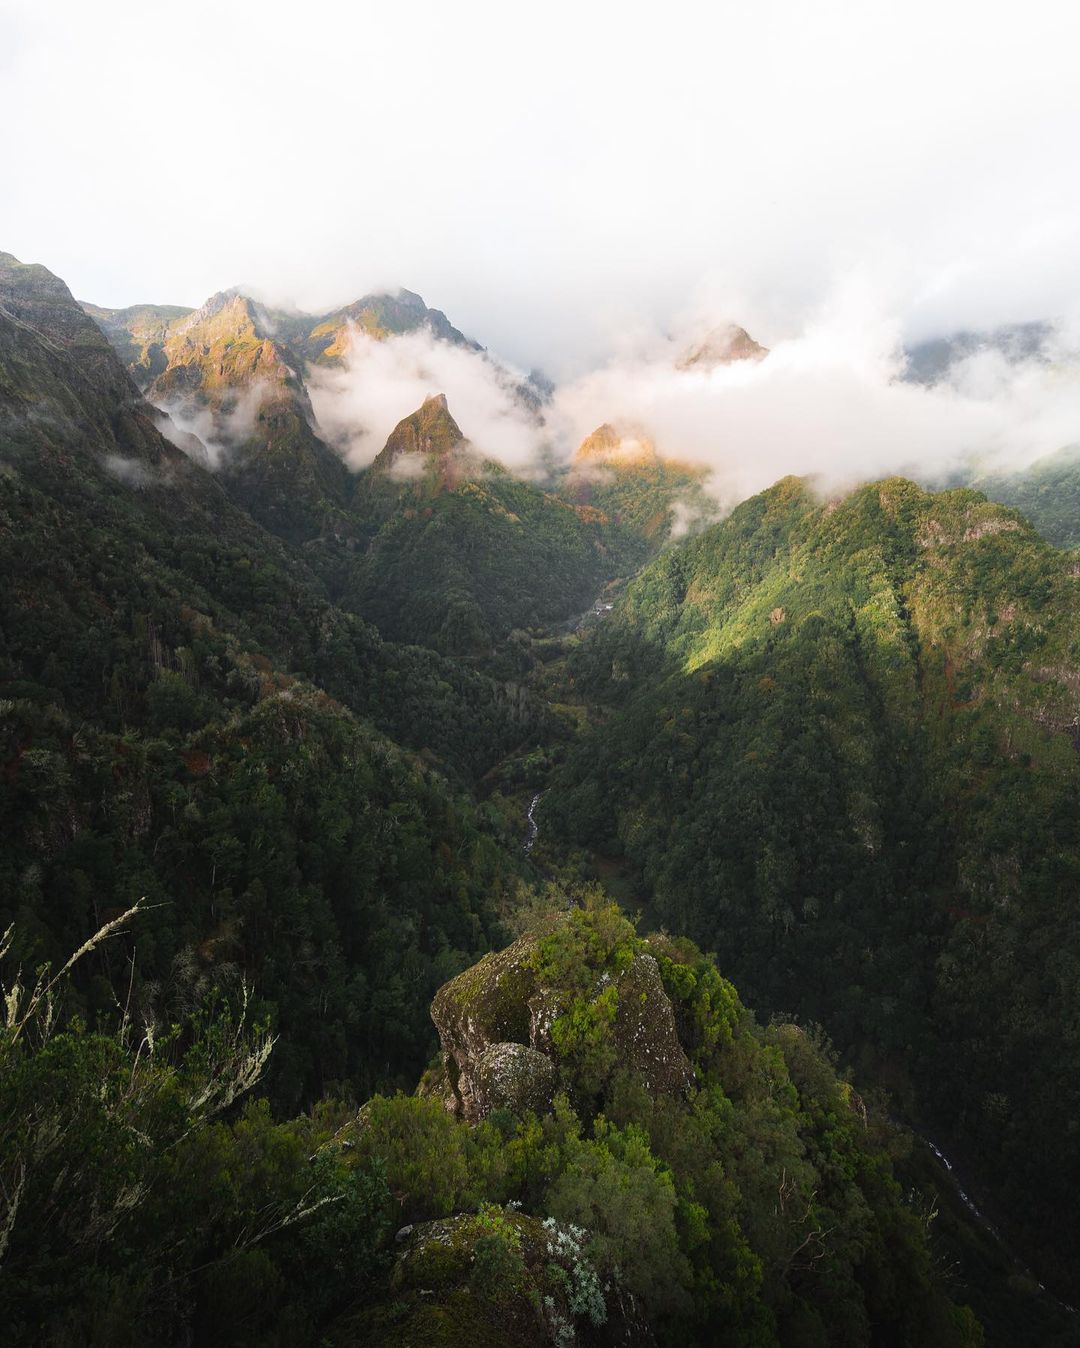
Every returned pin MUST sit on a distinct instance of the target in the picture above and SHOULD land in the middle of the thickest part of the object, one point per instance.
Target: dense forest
(837, 742)
(303, 1044)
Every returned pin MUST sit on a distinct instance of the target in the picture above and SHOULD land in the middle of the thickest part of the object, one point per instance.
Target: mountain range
(349, 770)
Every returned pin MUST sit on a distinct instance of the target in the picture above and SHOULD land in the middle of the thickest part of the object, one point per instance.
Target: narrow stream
(988, 1225)
(533, 828)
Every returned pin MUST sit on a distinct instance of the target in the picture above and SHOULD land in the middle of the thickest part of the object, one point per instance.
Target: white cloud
(210, 435)
(829, 402)
(358, 404)
(552, 178)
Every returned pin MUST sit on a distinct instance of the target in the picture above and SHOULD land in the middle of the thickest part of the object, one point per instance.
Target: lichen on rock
(645, 1034)
(515, 1077)
(498, 1025)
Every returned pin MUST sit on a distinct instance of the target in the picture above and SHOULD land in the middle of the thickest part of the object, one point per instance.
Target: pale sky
(555, 176)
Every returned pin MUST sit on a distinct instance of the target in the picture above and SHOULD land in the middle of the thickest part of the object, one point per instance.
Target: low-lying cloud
(211, 435)
(831, 402)
(359, 403)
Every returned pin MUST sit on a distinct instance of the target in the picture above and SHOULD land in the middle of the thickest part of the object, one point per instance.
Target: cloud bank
(212, 435)
(831, 402)
(828, 402)
(550, 181)
(358, 404)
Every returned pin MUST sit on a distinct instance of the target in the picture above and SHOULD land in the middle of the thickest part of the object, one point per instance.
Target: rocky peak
(41, 313)
(721, 346)
(225, 313)
(430, 431)
(31, 294)
(607, 444)
(325, 339)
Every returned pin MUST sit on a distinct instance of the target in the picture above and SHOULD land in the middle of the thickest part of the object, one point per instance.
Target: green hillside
(838, 743)
(1047, 492)
(280, 735)
(461, 552)
(186, 717)
(645, 1165)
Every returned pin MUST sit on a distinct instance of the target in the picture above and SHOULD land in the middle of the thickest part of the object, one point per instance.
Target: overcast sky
(556, 176)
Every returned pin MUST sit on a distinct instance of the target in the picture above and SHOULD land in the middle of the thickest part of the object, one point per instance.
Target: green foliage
(838, 745)
(498, 1266)
(184, 715)
(135, 1192)
(1047, 492)
(613, 1188)
(756, 1202)
(459, 566)
(835, 742)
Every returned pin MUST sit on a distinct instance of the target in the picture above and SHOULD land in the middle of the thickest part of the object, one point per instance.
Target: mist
(828, 402)
(552, 182)
(580, 193)
(380, 382)
(212, 435)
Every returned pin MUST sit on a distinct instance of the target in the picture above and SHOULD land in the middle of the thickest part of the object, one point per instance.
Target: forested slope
(838, 743)
(186, 717)
(834, 741)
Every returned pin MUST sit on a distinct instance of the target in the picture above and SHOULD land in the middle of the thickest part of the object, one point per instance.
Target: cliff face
(325, 339)
(222, 371)
(70, 416)
(501, 1047)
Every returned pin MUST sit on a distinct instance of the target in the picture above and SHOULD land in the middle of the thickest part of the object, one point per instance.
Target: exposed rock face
(487, 1004)
(325, 339)
(645, 1029)
(495, 1026)
(429, 431)
(234, 372)
(515, 1077)
(608, 444)
(68, 401)
(223, 370)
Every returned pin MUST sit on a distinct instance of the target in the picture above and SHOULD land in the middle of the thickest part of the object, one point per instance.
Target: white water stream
(533, 827)
(985, 1221)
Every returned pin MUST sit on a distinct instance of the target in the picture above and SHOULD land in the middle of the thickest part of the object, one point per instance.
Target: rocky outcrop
(429, 433)
(495, 1024)
(441, 1291)
(645, 1033)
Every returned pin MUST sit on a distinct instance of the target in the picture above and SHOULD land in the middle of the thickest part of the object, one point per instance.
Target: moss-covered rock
(508, 1023)
(487, 1004)
(489, 1279)
(514, 1077)
(440, 1292)
(645, 1035)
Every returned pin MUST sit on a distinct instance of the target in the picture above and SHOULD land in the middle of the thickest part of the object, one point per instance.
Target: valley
(364, 767)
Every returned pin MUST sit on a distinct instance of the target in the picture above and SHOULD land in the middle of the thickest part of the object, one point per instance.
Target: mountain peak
(607, 443)
(724, 345)
(430, 431)
(227, 309)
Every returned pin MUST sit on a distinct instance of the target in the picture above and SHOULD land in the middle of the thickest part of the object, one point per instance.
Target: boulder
(515, 1077)
(494, 1023)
